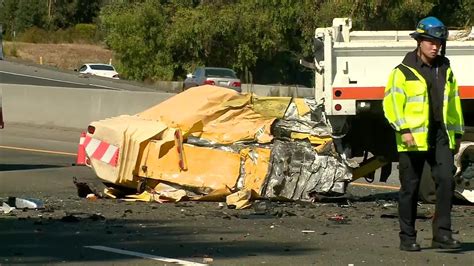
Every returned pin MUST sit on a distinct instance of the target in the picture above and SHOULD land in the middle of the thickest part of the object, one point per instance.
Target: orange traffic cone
(81, 151)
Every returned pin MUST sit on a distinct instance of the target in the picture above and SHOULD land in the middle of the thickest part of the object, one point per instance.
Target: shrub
(81, 33)
(34, 35)
(63, 36)
(85, 32)
(13, 52)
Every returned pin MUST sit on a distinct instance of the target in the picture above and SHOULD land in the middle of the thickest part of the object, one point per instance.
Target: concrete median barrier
(77, 107)
(71, 107)
(279, 90)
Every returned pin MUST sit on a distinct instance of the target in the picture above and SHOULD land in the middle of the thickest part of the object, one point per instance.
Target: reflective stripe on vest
(419, 130)
(394, 90)
(399, 118)
(416, 99)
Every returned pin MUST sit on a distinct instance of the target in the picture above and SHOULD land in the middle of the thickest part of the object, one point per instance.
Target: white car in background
(102, 70)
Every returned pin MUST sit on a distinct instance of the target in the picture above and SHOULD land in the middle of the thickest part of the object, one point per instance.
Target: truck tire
(427, 192)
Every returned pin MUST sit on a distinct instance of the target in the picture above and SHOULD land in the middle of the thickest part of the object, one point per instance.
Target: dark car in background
(223, 77)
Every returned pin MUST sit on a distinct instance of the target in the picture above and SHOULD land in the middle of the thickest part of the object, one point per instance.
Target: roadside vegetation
(67, 56)
(166, 39)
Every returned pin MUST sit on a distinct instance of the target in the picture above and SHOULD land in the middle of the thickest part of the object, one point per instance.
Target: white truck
(351, 71)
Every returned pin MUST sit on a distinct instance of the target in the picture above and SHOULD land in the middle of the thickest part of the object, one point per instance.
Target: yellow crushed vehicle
(209, 143)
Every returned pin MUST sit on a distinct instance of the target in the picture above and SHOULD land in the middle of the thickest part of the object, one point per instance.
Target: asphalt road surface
(35, 162)
(40, 75)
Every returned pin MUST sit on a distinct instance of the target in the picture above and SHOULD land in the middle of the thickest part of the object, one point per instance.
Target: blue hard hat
(430, 27)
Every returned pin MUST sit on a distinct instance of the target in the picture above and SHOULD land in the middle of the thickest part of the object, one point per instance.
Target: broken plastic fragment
(91, 197)
(6, 208)
(25, 203)
(241, 199)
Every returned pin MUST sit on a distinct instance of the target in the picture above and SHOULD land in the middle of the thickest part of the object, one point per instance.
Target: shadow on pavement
(37, 240)
(17, 167)
(466, 247)
(386, 196)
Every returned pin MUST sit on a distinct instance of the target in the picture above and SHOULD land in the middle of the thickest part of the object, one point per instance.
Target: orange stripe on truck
(466, 92)
(377, 93)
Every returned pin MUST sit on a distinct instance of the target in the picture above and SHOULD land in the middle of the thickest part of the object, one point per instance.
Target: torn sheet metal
(297, 171)
(298, 119)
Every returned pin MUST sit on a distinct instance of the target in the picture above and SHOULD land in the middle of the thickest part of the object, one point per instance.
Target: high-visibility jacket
(406, 106)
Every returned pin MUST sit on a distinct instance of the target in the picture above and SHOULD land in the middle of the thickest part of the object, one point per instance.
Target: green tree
(7, 16)
(135, 33)
(268, 37)
(30, 13)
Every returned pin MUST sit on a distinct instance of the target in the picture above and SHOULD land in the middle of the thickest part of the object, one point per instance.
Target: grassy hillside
(63, 56)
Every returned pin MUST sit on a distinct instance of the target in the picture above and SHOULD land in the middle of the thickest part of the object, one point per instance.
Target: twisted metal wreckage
(214, 144)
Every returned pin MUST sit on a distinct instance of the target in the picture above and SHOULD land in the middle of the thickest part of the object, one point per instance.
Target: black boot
(445, 242)
(409, 246)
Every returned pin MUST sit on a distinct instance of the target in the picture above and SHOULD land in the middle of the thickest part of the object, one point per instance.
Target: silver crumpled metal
(297, 172)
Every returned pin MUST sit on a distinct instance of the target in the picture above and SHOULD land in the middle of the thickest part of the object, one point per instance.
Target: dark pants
(441, 160)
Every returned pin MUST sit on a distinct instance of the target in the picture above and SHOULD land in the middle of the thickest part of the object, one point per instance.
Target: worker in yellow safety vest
(423, 106)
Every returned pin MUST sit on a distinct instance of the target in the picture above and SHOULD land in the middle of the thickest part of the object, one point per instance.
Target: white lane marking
(143, 255)
(30, 76)
(58, 80)
(102, 86)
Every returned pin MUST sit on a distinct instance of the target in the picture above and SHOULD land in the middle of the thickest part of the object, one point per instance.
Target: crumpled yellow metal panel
(207, 169)
(211, 174)
(127, 133)
(274, 107)
(192, 108)
(238, 125)
(256, 162)
(315, 140)
(301, 106)
(241, 199)
(213, 113)
(221, 116)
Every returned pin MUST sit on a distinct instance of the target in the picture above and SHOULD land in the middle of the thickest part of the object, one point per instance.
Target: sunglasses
(437, 32)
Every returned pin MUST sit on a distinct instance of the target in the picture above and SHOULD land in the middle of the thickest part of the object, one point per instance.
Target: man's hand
(408, 139)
